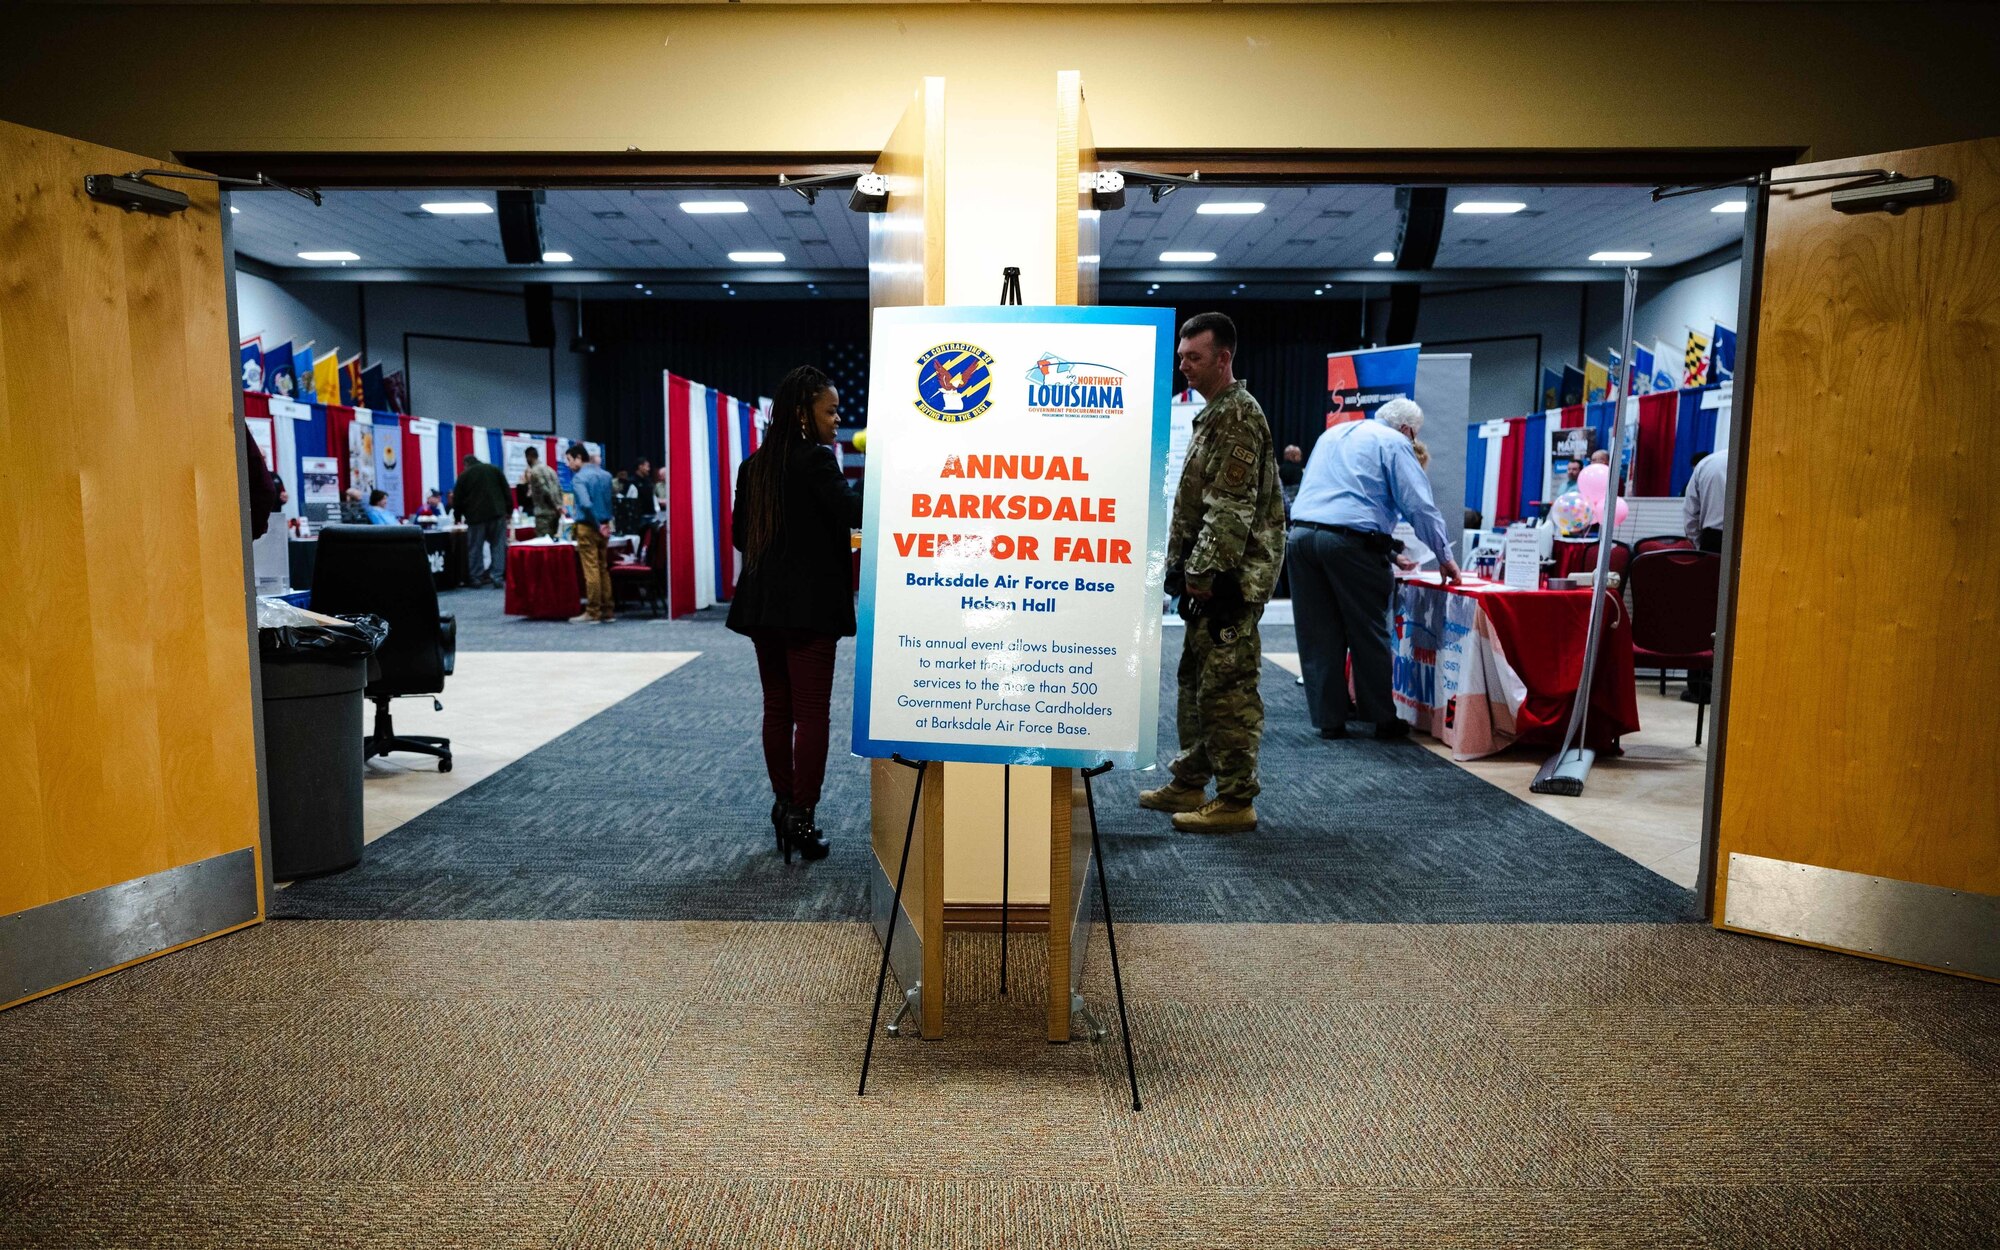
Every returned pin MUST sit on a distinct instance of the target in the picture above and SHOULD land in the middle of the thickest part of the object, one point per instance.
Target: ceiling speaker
(521, 227)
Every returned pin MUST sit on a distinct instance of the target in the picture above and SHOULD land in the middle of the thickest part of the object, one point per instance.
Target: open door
(129, 813)
(1859, 802)
(906, 267)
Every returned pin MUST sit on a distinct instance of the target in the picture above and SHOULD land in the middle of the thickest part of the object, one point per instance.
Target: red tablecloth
(1481, 669)
(1573, 557)
(544, 581)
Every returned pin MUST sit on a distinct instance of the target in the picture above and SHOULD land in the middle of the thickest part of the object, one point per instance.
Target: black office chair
(383, 569)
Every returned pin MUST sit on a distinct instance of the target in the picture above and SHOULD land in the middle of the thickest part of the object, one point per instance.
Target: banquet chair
(1674, 597)
(385, 571)
(1621, 557)
(1662, 542)
(644, 578)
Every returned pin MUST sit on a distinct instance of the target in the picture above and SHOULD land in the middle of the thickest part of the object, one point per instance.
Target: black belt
(1348, 530)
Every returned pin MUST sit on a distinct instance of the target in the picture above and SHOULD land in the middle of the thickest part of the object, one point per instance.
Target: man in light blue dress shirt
(1361, 477)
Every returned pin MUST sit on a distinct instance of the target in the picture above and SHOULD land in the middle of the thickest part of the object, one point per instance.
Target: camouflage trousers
(1221, 714)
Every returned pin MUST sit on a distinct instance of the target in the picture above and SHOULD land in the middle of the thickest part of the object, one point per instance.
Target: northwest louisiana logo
(1074, 388)
(954, 382)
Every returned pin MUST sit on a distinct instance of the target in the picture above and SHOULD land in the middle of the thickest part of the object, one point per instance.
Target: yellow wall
(1836, 78)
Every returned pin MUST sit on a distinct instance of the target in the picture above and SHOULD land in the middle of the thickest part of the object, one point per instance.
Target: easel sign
(1014, 535)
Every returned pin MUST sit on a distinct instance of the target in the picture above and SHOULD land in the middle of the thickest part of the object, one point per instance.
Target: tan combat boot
(1173, 797)
(1219, 816)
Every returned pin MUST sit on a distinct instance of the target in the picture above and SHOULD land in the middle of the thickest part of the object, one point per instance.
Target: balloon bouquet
(1577, 510)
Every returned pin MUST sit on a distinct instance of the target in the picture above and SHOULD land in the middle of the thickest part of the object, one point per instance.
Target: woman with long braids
(795, 599)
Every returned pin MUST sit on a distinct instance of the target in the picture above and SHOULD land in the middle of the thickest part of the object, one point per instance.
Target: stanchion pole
(1110, 933)
(895, 914)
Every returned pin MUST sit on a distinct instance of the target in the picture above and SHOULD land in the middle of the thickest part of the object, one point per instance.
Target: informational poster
(1180, 432)
(361, 454)
(389, 463)
(515, 446)
(1359, 382)
(319, 489)
(1523, 558)
(1565, 445)
(1014, 536)
(260, 434)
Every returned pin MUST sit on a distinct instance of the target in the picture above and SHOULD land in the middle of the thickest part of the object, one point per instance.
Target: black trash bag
(288, 633)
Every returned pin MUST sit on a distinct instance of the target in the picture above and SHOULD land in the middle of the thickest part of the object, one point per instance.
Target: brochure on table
(1014, 535)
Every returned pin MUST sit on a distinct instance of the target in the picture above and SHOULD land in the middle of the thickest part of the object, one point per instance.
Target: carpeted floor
(591, 1084)
(657, 809)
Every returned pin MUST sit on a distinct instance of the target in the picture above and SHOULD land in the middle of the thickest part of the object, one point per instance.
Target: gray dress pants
(486, 552)
(1340, 607)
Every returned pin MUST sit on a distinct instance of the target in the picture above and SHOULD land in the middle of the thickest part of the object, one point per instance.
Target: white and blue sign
(1014, 535)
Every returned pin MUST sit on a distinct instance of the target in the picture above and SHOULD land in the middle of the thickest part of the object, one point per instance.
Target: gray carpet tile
(1842, 1217)
(657, 808)
(642, 1084)
(1204, 1217)
(172, 1214)
(1780, 1094)
(787, 1213)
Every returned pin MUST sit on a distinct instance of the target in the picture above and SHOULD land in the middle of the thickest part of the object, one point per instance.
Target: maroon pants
(796, 669)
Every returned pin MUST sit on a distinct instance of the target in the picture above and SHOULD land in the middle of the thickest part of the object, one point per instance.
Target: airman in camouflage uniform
(544, 496)
(1226, 542)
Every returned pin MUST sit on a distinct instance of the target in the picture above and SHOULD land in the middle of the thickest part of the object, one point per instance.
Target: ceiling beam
(398, 170)
(556, 275)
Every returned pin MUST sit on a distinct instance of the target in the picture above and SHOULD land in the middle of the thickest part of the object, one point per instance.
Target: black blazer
(806, 579)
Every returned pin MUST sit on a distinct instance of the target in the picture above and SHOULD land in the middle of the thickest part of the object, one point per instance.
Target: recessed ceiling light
(1731, 206)
(1383, 258)
(557, 258)
(1230, 208)
(1089, 214)
(1621, 256)
(328, 256)
(1187, 258)
(458, 208)
(758, 258)
(638, 286)
(234, 209)
(1489, 207)
(704, 208)
(1087, 260)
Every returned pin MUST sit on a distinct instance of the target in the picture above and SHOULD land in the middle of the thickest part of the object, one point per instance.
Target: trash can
(315, 669)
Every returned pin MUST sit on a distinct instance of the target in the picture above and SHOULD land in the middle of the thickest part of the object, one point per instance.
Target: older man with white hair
(1362, 476)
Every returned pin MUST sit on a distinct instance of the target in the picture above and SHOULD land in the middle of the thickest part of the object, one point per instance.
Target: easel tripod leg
(1110, 933)
(1006, 858)
(889, 938)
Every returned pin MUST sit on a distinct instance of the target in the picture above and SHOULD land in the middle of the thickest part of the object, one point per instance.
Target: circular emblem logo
(954, 382)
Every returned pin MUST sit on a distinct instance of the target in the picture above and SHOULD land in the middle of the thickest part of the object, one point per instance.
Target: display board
(1014, 535)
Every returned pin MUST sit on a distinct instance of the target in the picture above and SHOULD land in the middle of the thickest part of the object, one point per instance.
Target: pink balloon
(1623, 512)
(1592, 483)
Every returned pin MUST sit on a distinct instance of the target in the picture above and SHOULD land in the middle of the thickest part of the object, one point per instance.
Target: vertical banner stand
(895, 910)
(1110, 933)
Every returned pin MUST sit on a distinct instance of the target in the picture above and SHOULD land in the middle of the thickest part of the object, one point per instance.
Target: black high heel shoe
(778, 817)
(802, 833)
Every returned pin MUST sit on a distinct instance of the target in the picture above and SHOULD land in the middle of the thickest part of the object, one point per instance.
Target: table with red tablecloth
(1480, 667)
(544, 581)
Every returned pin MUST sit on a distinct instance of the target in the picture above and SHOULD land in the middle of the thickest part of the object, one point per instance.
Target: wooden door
(1859, 800)
(129, 820)
(906, 267)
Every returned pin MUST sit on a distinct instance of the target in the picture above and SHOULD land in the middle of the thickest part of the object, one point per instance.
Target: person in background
(353, 507)
(590, 486)
(795, 598)
(660, 489)
(267, 491)
(481, 499)
(1705, 509)
(377, 513)
(642, 486)
(1362, 476)
(1291, 468)
(1225, 544)
(433, 503)
(544, 495)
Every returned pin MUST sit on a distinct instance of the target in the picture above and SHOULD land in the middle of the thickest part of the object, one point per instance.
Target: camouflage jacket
(544, 490)
(1229, 513)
